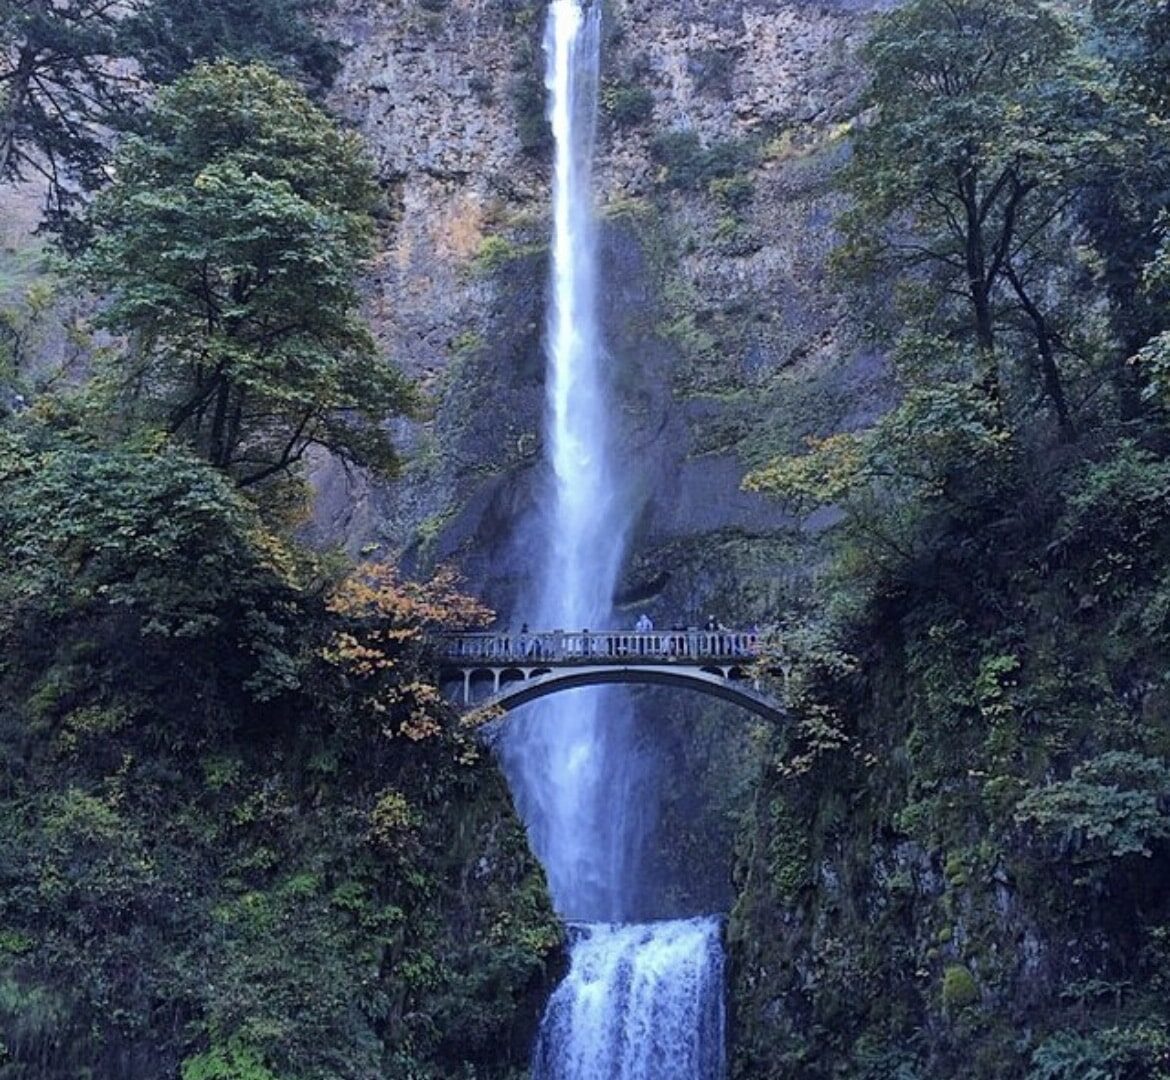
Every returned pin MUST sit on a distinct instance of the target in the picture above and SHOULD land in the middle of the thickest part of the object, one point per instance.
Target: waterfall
(572, 763)
(585, 548)
(640, 1002)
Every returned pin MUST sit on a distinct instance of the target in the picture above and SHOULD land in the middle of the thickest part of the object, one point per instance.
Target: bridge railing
(566, 647)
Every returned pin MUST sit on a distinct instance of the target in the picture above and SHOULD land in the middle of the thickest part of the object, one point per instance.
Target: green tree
(986, 121)
(57, 85)
(63, 88)
(236, 820)
(229, 244)
(106, 539)
(168, 37)
(1136, 38)
(1132, 39)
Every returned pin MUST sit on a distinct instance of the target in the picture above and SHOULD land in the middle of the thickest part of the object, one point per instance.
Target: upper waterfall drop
(571, 762)
(586, 534)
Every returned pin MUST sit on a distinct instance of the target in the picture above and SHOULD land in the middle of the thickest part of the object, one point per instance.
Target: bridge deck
(560, 648)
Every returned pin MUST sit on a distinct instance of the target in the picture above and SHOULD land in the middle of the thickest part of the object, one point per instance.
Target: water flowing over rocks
(640, 1002)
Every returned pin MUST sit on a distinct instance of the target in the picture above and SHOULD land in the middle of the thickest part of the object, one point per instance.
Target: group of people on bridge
(713, 642)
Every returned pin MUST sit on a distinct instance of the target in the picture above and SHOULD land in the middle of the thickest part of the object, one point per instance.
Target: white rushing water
(573, 767)
(640, 1002)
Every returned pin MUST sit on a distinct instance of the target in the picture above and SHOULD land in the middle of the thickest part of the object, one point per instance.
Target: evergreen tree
(71, 71)
(57, 87)
(168, 37)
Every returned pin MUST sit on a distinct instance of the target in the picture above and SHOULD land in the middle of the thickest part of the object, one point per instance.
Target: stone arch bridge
(506, 670)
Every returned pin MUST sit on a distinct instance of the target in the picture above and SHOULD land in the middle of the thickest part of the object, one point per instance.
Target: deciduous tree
(985, 120)
(229, 245)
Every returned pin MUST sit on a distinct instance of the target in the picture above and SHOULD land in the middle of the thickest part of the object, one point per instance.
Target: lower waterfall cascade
(640, 1002)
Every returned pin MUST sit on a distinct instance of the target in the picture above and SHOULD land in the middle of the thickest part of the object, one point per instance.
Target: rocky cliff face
(721, 125)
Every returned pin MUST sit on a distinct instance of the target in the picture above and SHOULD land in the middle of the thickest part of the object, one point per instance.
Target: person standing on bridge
(644, 625)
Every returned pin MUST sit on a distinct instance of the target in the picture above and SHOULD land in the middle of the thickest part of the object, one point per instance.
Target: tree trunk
(1050, 371)
(234, 425)
(979, 289)
(15, 93)
(217, 446)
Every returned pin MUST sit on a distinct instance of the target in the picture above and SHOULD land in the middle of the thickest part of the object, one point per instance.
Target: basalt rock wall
(721, 126)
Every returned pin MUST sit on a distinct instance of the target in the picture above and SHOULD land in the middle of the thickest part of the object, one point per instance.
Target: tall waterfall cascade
(640, 1001)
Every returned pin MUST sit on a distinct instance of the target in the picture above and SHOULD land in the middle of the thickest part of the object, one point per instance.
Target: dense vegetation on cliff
(241, 838)
(959, 863)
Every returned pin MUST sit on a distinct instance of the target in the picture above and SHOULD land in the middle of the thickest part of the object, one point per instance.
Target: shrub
(1110, 808)
(959, 989)
(734, 192)
(531, 124)
(690, 166)
(627, 106)
(1112, 1054)
(494, 252)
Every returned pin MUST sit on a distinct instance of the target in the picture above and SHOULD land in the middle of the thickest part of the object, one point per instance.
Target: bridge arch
(704, 681)
(517, 668)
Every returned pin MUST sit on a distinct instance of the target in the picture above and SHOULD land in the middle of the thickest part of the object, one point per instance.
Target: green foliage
(987, 120)
(734, 192)
(231, 240)
(495, 252)
(1153, 360)
(627, 106)
(788, 855)
(64, 82)
(1112, 807)
(1115, 517)
(531, 123)
(810, 657)
(959, 989)
(24, 324)
(241, 836)
(984, 789)
(1110, 1054)
(232, 1062)
(168, 37)
(1136, 39)
(97, 534)
(688, 165)
(236, 823)
(58, 88)
(940, 453)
